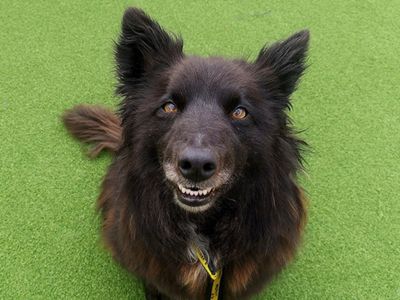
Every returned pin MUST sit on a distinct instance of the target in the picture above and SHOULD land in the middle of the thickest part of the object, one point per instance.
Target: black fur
(257, 212)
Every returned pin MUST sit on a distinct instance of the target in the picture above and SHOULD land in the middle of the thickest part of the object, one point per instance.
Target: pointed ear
(143, 46)
(286, 61)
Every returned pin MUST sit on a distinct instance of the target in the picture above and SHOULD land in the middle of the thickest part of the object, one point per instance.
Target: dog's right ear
(143, 46)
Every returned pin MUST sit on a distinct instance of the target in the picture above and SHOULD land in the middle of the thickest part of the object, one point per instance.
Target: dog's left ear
(286, 61)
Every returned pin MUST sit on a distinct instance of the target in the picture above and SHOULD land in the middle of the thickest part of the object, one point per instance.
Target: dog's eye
(239, 113)
(169, 107)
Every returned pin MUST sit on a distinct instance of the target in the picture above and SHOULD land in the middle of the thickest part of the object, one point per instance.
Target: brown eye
(170, 107)
(239, 113)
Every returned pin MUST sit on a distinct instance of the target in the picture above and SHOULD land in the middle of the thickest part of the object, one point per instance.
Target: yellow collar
(216, 277)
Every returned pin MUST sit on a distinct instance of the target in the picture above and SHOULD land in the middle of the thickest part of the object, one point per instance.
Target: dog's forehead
(214, 74)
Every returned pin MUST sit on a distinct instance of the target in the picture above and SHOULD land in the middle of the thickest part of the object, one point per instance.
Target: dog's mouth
(193, 198)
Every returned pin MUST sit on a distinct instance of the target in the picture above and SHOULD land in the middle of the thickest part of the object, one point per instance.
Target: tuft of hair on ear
(143, 46)
(286, 60)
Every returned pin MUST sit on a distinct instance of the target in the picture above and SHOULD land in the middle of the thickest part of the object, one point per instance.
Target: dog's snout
(197, 164)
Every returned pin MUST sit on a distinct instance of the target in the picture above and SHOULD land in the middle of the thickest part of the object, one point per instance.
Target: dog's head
(202, 121)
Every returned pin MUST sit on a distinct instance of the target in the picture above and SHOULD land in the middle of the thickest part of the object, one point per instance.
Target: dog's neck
(200, 240)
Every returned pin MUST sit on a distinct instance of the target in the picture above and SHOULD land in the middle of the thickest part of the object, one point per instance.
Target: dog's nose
(197, 164)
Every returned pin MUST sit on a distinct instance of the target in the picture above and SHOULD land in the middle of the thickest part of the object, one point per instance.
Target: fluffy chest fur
(184, 277)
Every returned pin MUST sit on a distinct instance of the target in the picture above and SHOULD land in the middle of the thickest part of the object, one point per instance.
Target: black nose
(197, 164)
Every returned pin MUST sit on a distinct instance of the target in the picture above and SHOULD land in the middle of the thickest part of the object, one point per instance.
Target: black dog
(201, 199)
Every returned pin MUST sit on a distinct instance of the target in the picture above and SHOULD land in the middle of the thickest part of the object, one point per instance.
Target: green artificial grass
(55, 54)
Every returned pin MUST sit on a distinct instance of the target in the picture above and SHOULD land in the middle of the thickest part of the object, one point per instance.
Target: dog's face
(203, 121)
(207, 103)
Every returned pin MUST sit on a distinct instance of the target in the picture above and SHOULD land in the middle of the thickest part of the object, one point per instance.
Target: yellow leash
(216, 277)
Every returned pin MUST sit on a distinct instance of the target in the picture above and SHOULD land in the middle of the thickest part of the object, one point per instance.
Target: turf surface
(55, 54)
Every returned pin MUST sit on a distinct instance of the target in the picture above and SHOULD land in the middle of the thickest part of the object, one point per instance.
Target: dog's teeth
(194, 193)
